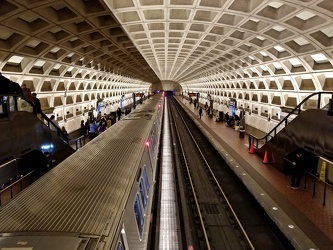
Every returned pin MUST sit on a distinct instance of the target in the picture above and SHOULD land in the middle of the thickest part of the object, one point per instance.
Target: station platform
(300, 213)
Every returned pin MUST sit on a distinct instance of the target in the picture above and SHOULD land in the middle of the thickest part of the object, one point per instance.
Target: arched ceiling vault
(198, 40)
(184, 41)
(67, 38)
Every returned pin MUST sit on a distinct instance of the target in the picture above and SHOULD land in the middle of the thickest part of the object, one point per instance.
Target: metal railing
(79, 142)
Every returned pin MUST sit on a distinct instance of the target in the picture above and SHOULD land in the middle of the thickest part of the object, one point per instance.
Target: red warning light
(147, 143)
(159, 105)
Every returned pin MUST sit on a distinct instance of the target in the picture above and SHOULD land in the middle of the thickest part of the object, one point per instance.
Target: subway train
(100, 197)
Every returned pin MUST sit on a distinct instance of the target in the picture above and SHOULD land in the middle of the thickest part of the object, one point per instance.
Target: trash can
(241, 133)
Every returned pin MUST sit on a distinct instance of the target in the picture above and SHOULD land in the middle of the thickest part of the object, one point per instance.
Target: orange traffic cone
(251, 149)
(265, 157)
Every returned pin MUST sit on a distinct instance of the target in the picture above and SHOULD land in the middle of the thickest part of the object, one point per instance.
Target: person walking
(200, 112)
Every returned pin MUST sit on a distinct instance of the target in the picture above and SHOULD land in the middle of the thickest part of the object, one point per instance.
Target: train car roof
(86, 193)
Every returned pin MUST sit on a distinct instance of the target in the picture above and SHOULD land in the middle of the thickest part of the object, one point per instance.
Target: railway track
(222, 212)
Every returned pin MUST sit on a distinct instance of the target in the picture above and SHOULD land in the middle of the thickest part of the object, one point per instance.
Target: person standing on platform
(113, 120)
(200, 112)
(119, 113)
(87, 125)
(227, 117)
(108, 122)
(83, 128)
(92, 129)
(102, 127)
(127, 111)
(297, 171)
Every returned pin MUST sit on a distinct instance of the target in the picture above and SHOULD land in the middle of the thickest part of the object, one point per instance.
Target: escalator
(311, 131)
(26, 142)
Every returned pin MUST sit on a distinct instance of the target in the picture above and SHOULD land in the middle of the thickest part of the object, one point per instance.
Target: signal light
(147, 143)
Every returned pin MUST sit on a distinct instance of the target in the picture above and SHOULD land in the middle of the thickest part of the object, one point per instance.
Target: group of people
(97, 125)
(91, 127)
(232, 120)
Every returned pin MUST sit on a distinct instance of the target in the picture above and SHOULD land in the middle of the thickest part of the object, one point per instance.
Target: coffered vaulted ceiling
(195, 40)
(186, 41)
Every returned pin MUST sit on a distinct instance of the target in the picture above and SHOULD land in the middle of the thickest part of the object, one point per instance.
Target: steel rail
(192, 188)
(220, 188)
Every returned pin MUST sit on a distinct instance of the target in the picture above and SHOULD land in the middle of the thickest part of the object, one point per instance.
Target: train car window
(138, 215)
(145, 178)
(143, 195)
